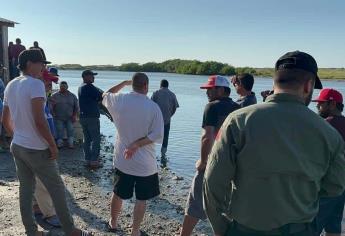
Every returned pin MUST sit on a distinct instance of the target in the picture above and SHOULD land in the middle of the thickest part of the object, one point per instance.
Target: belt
(283, 230)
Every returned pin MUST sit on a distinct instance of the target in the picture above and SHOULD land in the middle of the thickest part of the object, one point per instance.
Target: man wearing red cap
(218, 108)
(330, 106)
(274, 160)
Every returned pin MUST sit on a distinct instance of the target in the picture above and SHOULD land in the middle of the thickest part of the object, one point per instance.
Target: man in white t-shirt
(33, 146)
(139, 123)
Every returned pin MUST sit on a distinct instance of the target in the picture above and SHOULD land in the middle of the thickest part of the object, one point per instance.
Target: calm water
(184, 141)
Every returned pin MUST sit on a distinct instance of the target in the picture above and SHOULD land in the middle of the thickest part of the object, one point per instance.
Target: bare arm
(129, 152)
(6, 120)
(155, 134)
(119, 86)
(41, 123)
(207, 140)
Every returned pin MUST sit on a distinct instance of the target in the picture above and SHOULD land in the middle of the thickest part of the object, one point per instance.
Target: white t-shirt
(18, 95)
(135, 116)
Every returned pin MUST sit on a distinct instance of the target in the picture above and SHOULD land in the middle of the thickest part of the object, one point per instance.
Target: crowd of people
(274, 168)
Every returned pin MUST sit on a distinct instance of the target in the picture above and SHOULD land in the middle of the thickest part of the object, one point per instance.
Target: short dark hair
(227, 90)
(18, 40)
(292, 78)
(246, 80)
(340, 106)
(63, 82)
(164, 83)
(139, 80)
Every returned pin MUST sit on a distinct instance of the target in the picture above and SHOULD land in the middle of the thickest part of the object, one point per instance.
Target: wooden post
(4, 35)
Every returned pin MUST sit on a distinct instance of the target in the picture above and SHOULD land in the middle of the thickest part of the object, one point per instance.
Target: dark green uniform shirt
(281, 157)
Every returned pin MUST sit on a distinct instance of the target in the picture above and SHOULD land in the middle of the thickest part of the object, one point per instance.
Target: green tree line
(192, 67)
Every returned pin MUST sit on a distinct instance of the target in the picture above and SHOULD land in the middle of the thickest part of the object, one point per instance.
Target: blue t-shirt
(89, 98)
(50, 120)
(1, 106)
(2, 89)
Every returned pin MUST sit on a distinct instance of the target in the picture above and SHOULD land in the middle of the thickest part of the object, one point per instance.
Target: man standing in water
(330, 106)
(275, 159)
(168, 104)
(218, 108)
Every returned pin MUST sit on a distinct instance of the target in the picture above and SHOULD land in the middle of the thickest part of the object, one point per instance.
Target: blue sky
(242, 33)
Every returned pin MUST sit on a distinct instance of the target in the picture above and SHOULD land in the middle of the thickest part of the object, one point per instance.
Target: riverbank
(88, 194)
(324, 73)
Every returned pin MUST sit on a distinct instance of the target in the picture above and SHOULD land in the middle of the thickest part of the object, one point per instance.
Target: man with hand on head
(139, 125)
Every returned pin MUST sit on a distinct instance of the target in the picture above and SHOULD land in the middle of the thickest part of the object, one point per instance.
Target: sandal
(85, 233)
(111, 229)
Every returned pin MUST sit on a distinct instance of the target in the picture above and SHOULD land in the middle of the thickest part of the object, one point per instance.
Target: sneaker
(60, 144)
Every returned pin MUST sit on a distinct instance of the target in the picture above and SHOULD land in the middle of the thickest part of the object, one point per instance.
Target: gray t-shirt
(247, 100)
(64, 105)
(167, 102)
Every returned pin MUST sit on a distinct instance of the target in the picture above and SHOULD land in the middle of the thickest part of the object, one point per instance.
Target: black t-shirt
(89, 97)
(216, 112)
(338, 122)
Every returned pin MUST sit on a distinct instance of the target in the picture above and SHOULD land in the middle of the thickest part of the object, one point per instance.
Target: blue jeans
(330, 215)
(60, 126)
(92, 138)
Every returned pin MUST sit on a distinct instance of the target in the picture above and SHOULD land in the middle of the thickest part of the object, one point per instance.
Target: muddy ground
(88, 194)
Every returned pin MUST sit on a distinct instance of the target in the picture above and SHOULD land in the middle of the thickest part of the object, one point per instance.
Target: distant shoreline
(193, 67)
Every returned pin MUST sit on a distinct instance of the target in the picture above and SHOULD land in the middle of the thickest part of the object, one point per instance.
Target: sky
(242, 33)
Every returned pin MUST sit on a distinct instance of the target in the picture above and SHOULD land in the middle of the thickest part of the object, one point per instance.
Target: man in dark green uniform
(277, 159)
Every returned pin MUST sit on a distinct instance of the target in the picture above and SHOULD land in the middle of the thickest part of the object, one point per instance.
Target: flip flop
(142, 233)
(111, 229)
(85, 233)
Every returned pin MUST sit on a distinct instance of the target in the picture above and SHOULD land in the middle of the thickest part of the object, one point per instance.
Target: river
(184, 141)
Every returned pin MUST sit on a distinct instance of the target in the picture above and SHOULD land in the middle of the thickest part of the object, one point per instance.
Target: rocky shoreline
(88, 194)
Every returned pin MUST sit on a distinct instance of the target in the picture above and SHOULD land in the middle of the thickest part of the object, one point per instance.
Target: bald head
(140, 82)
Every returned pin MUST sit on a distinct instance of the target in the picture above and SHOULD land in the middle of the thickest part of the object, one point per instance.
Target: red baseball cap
(216, 81)
(329, 94)
(46, 75)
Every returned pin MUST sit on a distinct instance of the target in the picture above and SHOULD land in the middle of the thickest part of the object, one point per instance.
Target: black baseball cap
(88, 72)
(33, 55)
(299, 60)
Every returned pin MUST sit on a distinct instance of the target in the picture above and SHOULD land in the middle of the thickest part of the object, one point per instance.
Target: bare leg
(138, 216)
(189, 223)
(115, 210)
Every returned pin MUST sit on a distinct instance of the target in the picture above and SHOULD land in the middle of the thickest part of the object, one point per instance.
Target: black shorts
(145, 187)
